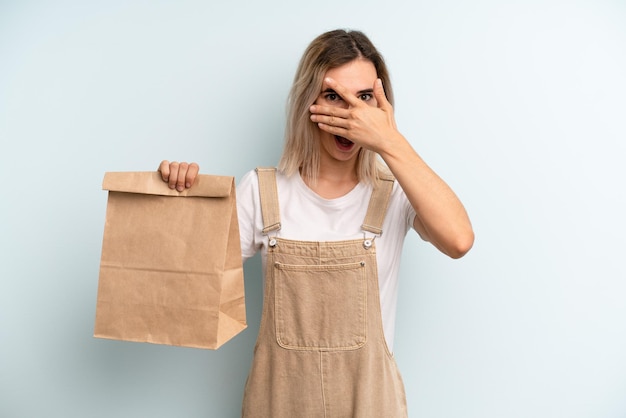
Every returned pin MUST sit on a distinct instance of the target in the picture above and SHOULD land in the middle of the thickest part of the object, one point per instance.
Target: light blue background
(519, 105)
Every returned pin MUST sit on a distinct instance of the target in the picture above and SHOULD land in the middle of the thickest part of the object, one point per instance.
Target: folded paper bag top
(152, 183)
(171, 269)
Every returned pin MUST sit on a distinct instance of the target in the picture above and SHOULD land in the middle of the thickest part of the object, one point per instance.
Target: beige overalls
(321, 351)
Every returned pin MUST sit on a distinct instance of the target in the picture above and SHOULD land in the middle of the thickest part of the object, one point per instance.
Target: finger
(164, 169)
(331, 120)
(348, 97)
(379, 93)
(183, 168)
(335, 130)
(381, 99)
(192, 173)
(173, 178)
(330, 111)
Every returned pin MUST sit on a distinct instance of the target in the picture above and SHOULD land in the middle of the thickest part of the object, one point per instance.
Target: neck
(334, 179)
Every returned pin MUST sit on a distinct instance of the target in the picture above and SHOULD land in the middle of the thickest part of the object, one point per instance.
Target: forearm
(441, 217)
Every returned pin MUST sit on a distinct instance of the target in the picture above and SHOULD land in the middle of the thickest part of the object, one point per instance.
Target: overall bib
(321, 351)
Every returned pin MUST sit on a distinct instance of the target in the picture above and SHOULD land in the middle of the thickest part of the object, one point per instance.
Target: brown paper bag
(171, 269)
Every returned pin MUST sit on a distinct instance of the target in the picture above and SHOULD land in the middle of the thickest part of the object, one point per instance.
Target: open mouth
(343, 143)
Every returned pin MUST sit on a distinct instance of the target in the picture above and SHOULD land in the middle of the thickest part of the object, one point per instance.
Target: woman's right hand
(179, 176)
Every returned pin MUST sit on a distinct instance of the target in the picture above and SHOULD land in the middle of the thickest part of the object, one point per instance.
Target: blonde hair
(329, 50)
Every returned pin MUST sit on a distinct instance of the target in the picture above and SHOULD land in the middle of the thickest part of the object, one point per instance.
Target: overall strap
(379, 201)
(269, 199)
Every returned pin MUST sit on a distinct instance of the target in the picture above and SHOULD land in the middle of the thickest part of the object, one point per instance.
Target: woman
(330, 223)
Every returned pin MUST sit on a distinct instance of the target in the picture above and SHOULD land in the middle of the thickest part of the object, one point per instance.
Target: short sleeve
(249, 213)
(401, 203)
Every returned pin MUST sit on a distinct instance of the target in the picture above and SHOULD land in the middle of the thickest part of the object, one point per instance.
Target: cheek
(322, 101)
(328, 103)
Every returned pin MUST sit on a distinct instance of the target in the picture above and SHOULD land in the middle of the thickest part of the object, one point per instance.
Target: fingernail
(187, 185)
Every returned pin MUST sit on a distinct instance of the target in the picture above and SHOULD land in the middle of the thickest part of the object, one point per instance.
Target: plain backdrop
(519, 105)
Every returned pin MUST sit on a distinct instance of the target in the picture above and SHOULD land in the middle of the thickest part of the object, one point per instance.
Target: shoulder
(248, 179)
(249, 182)
(248, 186)
(248, 191)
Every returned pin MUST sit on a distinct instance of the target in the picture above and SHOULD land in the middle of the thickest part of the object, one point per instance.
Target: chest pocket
(320, 307)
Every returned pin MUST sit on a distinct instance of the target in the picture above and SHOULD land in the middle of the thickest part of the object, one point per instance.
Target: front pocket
(320, 307)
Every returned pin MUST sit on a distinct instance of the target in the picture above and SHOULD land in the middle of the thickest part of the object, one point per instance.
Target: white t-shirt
(306, 216)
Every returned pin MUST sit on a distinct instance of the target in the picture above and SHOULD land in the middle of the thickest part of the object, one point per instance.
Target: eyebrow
(366, 91)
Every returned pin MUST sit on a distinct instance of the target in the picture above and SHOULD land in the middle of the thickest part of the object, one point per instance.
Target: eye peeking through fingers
(332, 97)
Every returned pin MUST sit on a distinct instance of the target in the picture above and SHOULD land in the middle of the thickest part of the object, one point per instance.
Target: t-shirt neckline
(328, 202)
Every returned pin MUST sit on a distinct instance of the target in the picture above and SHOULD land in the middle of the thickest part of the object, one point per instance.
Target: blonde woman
(330, 223)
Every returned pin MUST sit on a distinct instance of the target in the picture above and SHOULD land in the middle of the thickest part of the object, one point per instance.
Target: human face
(358, 77)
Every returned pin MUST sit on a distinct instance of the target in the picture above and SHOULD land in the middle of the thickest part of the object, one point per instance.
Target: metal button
(367, 244)
(272, 242)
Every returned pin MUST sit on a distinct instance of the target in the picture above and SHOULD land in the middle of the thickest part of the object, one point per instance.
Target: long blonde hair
(329, 50)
